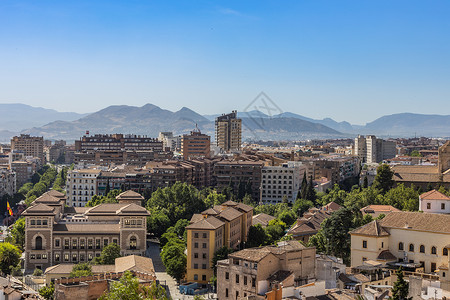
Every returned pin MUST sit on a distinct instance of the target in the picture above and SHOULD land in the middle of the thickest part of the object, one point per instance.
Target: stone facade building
(195, 145)
(57, 234)
(256, 271)
(81, 186)
(434, 202)
(29, 145)
(228, 132)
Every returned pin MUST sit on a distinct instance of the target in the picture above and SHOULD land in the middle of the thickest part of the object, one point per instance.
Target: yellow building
(223, 225)
(407, 237)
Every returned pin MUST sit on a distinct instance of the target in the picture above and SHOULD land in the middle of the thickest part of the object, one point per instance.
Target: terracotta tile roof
(210, 211)
(371, 229)
(39, 209)
(244, 207)
(251, 254)
(434, 195)
(132, 209)
(208, 223)
(378, 208)
(262, 219)
(134, 263)
(332, 206)
(229, 203)
(55, 193)
(47, 198)
(417, 221)
(67, 268)
(129, 195)
(416, 173)
(196, 218)
(230, 214)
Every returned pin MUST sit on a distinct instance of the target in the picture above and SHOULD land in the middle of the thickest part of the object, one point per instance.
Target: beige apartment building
(29, 145)
(57, 234)
(228, 132)
(195, 145)
(409, 237)
(223, 225)
(255, 271)
(81, 186)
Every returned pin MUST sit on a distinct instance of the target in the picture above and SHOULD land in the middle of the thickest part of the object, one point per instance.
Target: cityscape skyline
(380, 58)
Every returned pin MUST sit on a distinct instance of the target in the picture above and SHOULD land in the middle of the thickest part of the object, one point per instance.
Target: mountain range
(151, 119)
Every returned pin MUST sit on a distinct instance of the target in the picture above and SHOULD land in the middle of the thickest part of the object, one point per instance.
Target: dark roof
(244, 207)
(230, 214)
(39, 209)
(129, 195)
(279, 276)
(86, 228)
(262, 219)
(386, 255)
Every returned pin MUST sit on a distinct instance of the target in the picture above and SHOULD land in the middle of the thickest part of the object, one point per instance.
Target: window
(204, 235)
(97, 244)
(105, 243)
(90, 243)
(90, 256)
(364, 244)
(74, 257)
(226, 293)
(66, 244)
(204, 255)
(195, 277)
(433, 250)
(56, 256)
(66, 257)
(44, 256)
(195, 245)
(196, 235)
(237, 278)
(245, 280)
(204, 266)
(422, 249)
(38, 243)
(400, 246)
(227, 275)
(253, 282)
(82, 244)
(203, 277)
(382, 244)
(32, 222)
(443, 206)
(32, 256)
(445, 252)
(364, 258)
(195, 266)
(204, 245)
(433, 267)
(74, 244)
(196, 255)
(133, 243)
(38, 222)
(81, 257)
(44, 222)
(411, 247)
(428, 205)
(57, 243)
(115, 241)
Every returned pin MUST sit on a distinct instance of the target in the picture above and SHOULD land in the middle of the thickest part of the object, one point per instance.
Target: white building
(81, 186)
(170, 141)
(278, 182)
(434, 202)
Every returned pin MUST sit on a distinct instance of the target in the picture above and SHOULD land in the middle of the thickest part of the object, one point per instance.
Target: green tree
(129, 288)
(9, 257)
(214, 198)
(37, 272)
(256, 236)
(158, 221)
(366, 182)
(301, 206)
(310, 191)
(220, 254)
(319, 241)
(403, 198)
(303, 188)
(109, 254)
(415, 153)
(336, 232)
(25, 188)
(18, 232)
(383, 180)
(47, 291)
(288, 217)
(81, 269)
(274, 231)
(174, 259)
(401, 287)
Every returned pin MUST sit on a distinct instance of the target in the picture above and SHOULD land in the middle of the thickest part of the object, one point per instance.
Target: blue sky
(348, 60)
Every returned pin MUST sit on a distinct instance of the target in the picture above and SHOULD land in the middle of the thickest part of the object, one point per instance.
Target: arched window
(400, 246)
(133, 243)
(422, 249)
(411, 247)
(445, 252)
(38, 243)
(433, 250)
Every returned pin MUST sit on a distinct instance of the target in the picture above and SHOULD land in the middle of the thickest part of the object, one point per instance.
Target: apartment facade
(278, 182)
(7, 182)
(81, 185)
(370, 149)
(29, 145)
(57, 234)
(228, 130)
(223, 225)
(195, 145)
(421, 239)
(24, 171)
(239, 172)
(255, 271)
(118, 142)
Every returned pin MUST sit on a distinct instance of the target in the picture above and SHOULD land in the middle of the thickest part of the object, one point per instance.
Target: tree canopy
(9, 257)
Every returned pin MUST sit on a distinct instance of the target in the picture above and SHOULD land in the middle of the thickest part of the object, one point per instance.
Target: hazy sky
(348, 60)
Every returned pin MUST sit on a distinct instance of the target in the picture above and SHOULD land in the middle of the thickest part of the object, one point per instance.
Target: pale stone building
(434, 202)
(81, 185)
(419, 239)
(255, 271)
(57, 234)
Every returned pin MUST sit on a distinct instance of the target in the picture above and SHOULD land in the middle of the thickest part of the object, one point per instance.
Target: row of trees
(41, 182)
